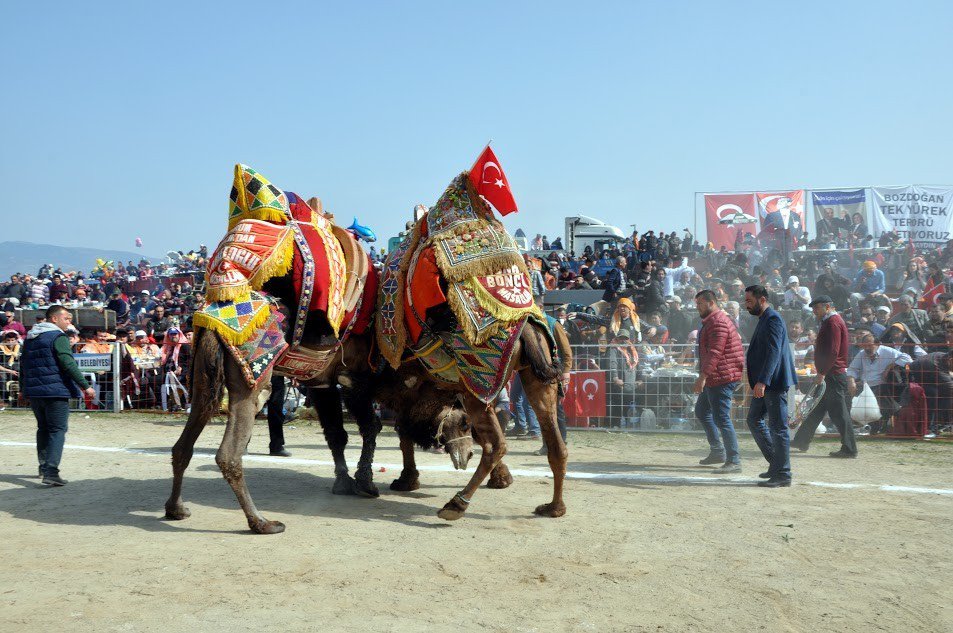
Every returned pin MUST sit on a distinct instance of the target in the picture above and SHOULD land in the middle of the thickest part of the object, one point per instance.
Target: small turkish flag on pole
(490, 182)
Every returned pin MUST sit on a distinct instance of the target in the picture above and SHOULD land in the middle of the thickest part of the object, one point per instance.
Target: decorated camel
(455, 299)
(290, 292)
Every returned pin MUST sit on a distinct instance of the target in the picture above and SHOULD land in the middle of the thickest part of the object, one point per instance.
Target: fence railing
(656, 392)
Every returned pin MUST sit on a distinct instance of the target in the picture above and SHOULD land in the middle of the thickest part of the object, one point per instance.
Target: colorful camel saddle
(262, 349)
(271, 233)
(266, 346)
(457, 258)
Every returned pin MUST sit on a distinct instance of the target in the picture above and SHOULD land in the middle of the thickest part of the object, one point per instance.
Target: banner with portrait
(915, 212)
(834, 211)
(728, 214)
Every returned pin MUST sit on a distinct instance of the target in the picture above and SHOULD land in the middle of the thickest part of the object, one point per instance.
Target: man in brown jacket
(721, 363)
(830, 360)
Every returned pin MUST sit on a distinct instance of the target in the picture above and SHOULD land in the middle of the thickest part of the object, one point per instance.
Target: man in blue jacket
(49, 377)
(770, 369)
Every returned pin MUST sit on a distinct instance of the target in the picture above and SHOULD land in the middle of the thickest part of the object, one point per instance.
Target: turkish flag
(585, 397)
(930, 294)
(490, 182)
(727, 215)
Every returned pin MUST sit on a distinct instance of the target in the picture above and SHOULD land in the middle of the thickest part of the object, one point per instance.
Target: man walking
(721, 360)
(830, 360)
(48, 377)
(770, 374)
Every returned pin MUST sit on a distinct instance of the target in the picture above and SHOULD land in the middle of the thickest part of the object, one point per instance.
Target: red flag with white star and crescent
(490, 182)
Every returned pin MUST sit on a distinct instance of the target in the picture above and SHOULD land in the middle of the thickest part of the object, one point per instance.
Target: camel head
(452, 431)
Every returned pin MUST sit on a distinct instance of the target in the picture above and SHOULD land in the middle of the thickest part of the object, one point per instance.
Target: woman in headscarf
(623, 316)
(175, 362)
(623, 376)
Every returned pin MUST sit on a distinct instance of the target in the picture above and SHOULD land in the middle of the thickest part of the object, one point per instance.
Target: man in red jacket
(830, 360)
(721, 363)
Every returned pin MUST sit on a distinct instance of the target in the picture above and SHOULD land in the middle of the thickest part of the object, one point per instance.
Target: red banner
(782, 210)
(585, 397)
(727, 215)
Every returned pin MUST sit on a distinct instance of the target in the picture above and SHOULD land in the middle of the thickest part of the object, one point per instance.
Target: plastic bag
(864, 408)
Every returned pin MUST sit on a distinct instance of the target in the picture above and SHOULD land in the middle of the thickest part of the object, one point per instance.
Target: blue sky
(124, 119)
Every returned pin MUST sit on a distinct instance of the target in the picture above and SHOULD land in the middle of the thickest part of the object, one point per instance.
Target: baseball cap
(793, 280)
(141, 334)
(883, 309)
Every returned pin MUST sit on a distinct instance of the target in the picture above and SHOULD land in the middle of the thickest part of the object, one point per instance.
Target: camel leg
(544, 399)
(327, 402)
(487, 430)
(241, 419)
(409, 477)
(181, 456)
(360, 403)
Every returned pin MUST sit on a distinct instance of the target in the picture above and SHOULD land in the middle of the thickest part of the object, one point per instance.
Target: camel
(540, 373)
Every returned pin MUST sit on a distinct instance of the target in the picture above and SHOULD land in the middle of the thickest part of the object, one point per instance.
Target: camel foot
(452, 511)
(551, 510)
(500, 478)
(267, 527)
(343, 485)
(177, 512)
(406, 482)
(364, 487)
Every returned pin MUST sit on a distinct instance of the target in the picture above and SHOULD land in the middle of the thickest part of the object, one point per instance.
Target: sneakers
(54, 480)
(516, 432)
(713, 458)
(842, 454)
(528, 436)
(282, 452)
(727, 469)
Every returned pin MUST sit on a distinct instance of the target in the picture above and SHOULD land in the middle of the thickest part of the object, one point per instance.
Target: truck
(583, 231)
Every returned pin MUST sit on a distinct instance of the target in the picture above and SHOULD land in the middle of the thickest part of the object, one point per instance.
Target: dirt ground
(660, 545)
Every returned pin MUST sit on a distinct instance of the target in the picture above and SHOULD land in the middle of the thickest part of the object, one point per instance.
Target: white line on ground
(518, 472)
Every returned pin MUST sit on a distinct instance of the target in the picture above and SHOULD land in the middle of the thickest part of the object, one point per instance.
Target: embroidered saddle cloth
(459, 255)
(272, 232)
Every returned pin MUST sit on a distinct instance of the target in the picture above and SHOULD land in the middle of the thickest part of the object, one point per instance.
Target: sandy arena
(651, 542)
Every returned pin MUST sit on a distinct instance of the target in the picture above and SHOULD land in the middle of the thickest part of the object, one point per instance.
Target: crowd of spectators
(152, 325)
(646, 319)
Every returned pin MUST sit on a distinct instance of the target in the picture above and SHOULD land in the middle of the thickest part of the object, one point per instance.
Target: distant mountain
(27, 257)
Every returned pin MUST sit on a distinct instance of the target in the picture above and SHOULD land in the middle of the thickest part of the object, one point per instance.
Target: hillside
(27, 257)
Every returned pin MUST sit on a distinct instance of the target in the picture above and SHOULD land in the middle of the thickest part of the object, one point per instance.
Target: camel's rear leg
(544, 399)
(327, 402)
(181, 456)
(488, 434)
(360, 403)
(242, 404)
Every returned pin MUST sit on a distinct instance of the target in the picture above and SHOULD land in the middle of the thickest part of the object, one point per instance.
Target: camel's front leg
(487, 430)
(241, 419)
(409, 477)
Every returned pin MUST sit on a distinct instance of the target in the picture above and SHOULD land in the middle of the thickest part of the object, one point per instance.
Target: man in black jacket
(615, 283)
(49, 377)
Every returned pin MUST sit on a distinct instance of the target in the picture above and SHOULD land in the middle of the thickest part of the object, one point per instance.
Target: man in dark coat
(49, 377)
(770, 368)
(615, 281)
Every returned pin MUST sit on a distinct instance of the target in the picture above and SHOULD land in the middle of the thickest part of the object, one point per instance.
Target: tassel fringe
(227, 334)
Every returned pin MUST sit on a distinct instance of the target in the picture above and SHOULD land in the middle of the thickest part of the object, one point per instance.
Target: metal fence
(123, 377)
(656, 394)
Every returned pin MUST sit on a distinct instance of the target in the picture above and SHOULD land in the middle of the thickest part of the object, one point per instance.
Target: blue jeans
(522, 410)
(52, 416)
(772, 438)
(713, 410)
